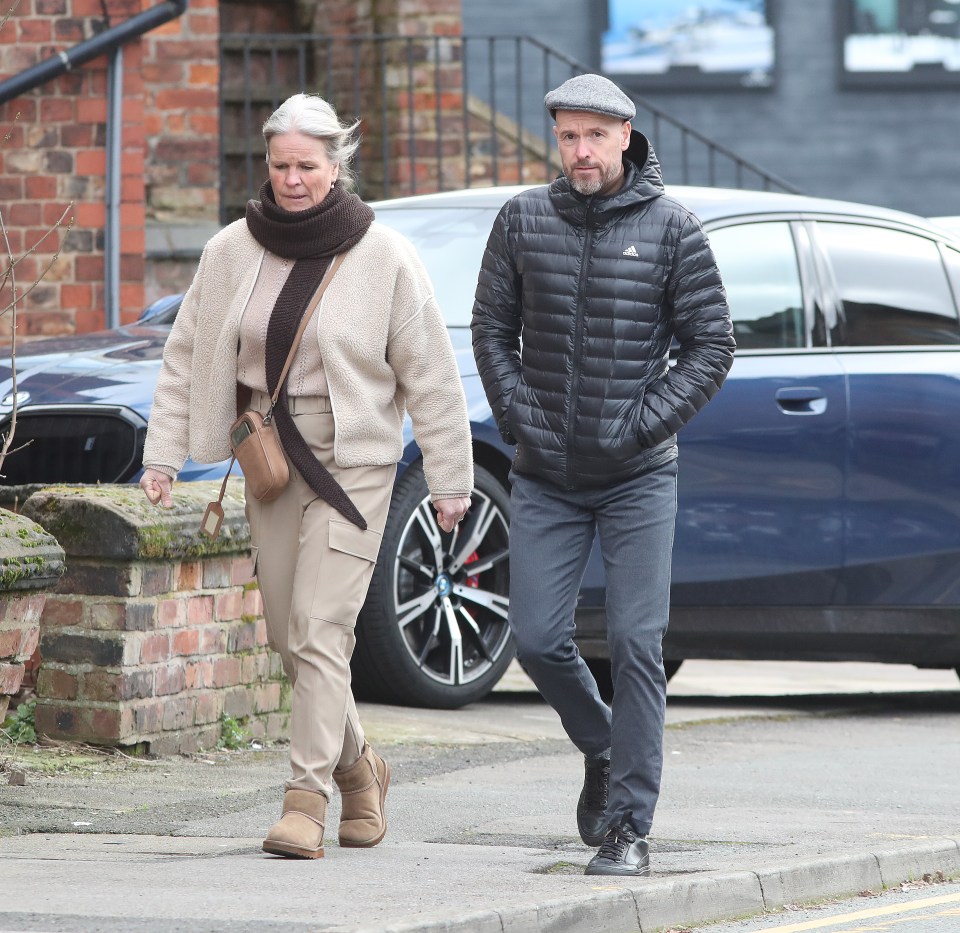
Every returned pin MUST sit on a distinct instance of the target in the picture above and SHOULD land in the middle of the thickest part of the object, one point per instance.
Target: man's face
(591, 150)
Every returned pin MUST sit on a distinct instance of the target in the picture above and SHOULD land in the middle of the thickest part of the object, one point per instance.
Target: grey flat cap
(593, 93)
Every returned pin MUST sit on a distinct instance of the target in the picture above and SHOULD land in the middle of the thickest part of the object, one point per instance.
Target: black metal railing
(438, 112)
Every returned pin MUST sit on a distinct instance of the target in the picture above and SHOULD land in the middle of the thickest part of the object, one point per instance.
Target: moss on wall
(117, 521)
(30, 558)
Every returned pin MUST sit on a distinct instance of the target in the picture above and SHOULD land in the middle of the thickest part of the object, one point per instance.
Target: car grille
(75, 445)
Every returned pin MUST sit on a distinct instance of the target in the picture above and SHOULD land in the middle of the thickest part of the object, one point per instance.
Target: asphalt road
(913, 907)
(783, 776)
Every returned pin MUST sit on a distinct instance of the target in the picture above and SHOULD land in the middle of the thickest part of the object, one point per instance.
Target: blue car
(819, 512)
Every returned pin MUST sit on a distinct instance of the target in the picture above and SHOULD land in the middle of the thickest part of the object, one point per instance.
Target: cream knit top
(306, 376)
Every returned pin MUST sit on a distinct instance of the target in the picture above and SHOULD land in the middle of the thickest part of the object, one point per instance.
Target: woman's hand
(450, 511)
(158, 487)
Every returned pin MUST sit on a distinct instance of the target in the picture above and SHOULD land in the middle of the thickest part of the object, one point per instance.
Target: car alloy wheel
(433, 631)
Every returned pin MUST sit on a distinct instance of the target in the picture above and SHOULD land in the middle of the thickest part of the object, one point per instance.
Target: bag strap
(318, 295)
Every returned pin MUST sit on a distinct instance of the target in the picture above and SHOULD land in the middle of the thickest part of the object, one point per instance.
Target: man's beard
(590, 188)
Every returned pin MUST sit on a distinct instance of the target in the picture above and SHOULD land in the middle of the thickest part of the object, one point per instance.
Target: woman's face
(300, 171)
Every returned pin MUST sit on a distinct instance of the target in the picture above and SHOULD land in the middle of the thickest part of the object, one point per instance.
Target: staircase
(438, 113)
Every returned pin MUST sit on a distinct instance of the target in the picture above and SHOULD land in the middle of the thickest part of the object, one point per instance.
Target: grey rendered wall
(900, 149)
(571, 27)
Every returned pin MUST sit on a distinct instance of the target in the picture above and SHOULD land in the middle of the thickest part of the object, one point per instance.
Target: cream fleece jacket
(383, 342)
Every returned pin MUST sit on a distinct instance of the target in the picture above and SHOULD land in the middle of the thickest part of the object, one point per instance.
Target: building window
(676, 44)
(900, 43)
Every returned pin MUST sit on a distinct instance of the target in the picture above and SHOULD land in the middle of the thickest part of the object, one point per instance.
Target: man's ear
(625, 131)
(556, 133)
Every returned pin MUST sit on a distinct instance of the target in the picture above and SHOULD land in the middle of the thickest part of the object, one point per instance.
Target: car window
(952, 259)
(162, 311)
(450, 243)
(758, 264)
(891, 285)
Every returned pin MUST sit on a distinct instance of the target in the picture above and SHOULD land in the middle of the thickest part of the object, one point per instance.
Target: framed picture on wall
(899, 43)
(689, 44)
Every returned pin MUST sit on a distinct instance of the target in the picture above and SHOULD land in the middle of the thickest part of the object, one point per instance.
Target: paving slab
(766, 801)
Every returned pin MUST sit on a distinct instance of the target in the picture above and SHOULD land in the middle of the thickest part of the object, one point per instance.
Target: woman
(376, 346)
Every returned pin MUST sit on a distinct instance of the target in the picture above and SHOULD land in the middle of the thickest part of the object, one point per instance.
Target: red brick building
(56, 153)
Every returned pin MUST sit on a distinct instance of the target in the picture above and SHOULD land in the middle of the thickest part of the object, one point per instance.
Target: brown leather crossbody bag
(254, 439)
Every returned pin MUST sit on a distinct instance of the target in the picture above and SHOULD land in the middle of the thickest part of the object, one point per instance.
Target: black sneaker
(592, 805)
(623, 853)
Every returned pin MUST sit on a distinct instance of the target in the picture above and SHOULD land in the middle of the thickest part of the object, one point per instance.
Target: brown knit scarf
(312, 238)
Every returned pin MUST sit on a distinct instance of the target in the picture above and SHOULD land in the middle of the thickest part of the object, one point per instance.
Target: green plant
(233, 733)
(19, 727)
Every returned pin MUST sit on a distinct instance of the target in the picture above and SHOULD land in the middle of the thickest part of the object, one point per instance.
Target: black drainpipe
(109, 42)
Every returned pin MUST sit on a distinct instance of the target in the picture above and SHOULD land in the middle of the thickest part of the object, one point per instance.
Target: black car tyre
(602, 673)
(433, 631)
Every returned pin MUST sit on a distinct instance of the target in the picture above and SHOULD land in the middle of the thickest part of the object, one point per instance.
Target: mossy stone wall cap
(117, 522)
(593, 93)
(30, 558)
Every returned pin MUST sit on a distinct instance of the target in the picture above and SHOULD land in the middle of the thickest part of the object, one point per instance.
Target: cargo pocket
(344, 574)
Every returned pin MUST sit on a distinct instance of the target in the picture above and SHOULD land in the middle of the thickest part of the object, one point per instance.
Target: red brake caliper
(474, 580)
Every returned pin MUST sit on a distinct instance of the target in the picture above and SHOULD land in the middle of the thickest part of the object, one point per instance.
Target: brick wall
(181, 74)
(171, 135)
(431, 111)
(19, 636)
(56, 151)
(31, 562)
(154, 634)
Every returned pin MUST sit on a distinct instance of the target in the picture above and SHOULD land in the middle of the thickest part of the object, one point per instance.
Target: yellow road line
(863, 915)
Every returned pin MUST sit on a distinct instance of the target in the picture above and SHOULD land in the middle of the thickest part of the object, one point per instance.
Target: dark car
(819, 512)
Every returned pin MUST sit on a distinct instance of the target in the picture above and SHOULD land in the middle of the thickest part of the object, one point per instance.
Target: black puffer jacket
(598, 288)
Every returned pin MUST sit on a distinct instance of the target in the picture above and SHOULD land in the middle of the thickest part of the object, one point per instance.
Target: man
(593, 277)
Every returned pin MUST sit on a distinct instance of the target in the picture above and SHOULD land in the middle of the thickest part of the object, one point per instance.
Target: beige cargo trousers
(314, 568)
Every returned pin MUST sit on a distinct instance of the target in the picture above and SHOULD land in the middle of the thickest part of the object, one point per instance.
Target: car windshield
(450, 241)
(162, 311)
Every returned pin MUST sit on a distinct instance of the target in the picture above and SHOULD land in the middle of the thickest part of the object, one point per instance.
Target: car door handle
(801, 400)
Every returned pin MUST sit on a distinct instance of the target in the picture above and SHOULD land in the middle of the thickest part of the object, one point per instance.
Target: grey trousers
(551, 535)
(314, 568)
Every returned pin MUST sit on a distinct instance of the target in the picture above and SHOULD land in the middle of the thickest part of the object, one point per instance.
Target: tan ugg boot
(363, 787)
(299, 833)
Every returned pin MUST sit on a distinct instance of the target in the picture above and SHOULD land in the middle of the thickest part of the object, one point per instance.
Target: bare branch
(33, 248)
(9, 13)
(16, 116)
(8, 437)
(8, 273)
(23, 446)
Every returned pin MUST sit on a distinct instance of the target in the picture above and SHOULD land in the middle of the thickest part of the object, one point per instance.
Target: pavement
(768, 800)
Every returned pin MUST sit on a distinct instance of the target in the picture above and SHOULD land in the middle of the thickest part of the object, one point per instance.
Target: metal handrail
(81, 53)
(660, 114)
(411, 142)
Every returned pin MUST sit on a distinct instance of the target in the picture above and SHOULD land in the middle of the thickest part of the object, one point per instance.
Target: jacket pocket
(630, 438)
(510, 414)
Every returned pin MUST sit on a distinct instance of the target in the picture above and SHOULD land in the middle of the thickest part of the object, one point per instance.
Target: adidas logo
(631, 251)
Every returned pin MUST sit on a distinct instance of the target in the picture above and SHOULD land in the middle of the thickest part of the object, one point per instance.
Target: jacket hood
(643, 182)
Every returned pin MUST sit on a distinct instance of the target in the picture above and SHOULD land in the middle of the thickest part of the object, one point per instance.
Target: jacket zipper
(577, 340)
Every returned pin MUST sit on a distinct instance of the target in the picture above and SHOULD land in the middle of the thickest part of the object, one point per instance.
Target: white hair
(311, 115)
